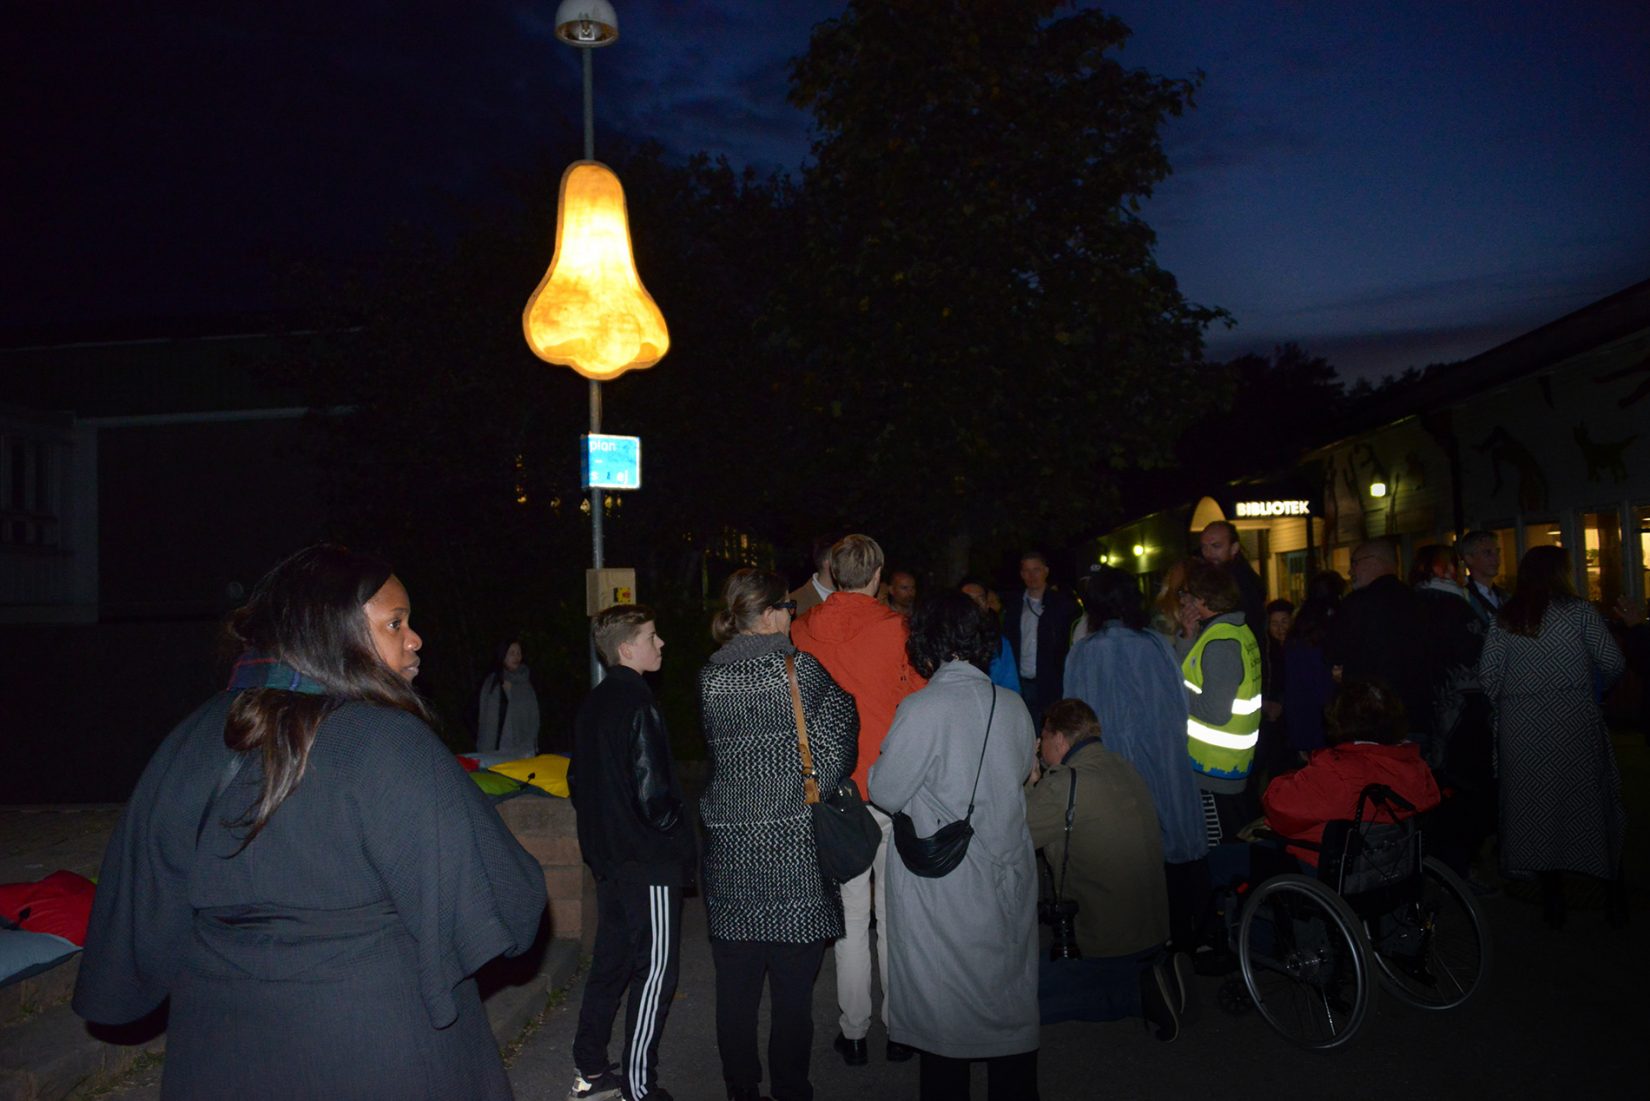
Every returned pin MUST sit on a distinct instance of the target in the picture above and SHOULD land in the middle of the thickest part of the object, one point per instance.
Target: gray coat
(521, 717)
(962, 958)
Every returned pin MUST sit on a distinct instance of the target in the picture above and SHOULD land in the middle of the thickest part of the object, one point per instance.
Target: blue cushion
(23, 954)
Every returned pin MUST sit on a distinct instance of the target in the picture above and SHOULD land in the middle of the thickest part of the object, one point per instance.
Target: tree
(982, 332)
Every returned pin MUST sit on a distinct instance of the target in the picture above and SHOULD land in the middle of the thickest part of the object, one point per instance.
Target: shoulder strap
(810, 778)
(1065, 856)
(236, 760)
(979, 767)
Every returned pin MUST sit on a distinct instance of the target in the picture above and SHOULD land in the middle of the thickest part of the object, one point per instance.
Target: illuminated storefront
(1542, 440)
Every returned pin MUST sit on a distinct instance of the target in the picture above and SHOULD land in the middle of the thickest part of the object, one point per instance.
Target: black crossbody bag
(936, 856)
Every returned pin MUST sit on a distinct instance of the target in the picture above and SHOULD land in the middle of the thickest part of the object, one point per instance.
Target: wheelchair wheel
(1435, 951)
(1304, 960)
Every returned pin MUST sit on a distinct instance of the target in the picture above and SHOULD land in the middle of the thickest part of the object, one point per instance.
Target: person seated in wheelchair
(1365, 733)
(1092, 815)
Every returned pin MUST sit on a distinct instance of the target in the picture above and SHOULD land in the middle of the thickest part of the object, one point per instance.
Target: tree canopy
(980, 331)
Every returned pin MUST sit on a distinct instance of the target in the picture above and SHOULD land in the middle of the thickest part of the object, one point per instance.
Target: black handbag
(935, 856)
(845, 835)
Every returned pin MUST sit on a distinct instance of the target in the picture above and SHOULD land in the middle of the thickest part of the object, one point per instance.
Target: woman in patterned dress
(1547, 659)
(771, 911)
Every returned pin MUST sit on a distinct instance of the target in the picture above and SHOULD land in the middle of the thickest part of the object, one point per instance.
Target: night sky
(1386, 184)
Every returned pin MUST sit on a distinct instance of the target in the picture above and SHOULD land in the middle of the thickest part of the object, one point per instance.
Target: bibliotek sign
(1256, 509)
(610, 462)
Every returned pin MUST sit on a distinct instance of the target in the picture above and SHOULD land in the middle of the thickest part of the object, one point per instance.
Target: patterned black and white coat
(761, 871)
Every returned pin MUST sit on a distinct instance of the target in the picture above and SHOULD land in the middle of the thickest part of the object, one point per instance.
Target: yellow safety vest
(1227, 750)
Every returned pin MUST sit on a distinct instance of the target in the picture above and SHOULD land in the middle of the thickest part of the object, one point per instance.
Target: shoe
(852, 1051)
(1482, 888)
(898, 1052)
(1215, 961)
(602, 1087)
(1185, 987)
(657, 1093)
(1157, 1002)
(746, 1093)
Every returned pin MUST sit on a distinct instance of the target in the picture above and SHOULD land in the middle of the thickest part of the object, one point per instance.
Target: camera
(1061, 918)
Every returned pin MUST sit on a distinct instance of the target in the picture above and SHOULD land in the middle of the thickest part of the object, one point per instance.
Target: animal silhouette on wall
(1603, 458)
(1501, 448)
(1639, 393)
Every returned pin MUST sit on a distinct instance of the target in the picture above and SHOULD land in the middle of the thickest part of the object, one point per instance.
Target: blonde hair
(855, 560)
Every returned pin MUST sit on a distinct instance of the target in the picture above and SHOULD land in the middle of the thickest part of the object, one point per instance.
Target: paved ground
(1562, 1014)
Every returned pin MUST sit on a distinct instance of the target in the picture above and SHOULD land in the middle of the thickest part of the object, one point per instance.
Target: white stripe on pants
(853, 951)
(658, 902)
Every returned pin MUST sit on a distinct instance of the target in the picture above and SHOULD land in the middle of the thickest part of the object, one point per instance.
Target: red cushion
(470, 763)
(60, 904)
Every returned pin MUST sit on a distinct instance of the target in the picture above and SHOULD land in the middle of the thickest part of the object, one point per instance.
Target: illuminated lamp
(1139, 551)
(590, 311)
(1377, 489)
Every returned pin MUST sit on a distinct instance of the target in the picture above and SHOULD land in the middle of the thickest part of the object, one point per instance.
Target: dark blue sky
(1387, 184)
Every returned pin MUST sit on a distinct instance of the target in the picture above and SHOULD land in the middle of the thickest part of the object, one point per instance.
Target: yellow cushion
(547, 771)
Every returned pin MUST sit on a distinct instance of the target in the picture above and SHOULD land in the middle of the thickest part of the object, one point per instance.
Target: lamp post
(590, 312)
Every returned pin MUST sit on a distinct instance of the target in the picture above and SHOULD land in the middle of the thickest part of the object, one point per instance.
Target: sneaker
(1157, 1002)
(1185, 987)
(657, 1093)
(601, 1087)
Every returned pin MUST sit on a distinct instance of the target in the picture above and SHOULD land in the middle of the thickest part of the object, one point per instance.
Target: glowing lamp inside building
(1377, 489)
(590, 311)
(1139, 551)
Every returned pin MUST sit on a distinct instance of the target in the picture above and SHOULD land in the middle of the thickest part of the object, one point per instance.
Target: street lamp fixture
(587, 23)
(1377, 489)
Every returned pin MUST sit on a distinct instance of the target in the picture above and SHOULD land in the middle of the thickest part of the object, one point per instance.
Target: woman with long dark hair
(771, 910)
(305, 870)
(1547, 658)
(962, 948)
(508, 716)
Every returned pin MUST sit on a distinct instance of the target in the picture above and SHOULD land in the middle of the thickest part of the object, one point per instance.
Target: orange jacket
(862, 645)
(1299, 803)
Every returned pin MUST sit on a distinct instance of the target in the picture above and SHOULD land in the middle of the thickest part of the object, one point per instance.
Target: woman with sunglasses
(771, 910)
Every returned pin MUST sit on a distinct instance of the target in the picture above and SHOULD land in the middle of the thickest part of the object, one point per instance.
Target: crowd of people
(306, 873)
(1105, 756)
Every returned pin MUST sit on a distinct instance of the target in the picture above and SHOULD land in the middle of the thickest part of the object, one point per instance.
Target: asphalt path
(1562, 1013)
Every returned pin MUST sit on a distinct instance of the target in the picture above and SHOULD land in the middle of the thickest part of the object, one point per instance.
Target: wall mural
(1603, 458)
(1642, 391)
(1502, 449)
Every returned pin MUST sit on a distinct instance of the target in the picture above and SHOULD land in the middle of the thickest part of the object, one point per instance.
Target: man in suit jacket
(1037, 621)
(1481, 551)
(814, 590)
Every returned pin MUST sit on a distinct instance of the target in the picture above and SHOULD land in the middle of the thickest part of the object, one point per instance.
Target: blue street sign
(610, 462)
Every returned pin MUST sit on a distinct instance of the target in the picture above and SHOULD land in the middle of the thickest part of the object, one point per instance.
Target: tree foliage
(981, 331)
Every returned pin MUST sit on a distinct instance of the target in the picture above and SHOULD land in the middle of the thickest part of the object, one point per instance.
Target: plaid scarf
(253, 670)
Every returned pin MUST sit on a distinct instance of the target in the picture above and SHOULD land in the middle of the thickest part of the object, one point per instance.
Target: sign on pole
(610, 462)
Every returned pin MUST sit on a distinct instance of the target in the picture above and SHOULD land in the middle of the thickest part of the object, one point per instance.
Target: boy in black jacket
(635, 836)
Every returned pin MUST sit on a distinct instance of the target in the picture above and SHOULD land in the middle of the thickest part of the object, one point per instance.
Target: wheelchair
(1379, 911)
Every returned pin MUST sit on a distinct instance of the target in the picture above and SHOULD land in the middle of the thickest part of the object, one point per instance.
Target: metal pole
(596, 670)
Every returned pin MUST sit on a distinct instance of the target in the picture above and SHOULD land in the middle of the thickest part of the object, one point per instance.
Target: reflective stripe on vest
(1226, 750)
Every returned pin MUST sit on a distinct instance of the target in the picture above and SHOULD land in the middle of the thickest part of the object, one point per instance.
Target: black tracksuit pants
(790, 970)
(638, 944)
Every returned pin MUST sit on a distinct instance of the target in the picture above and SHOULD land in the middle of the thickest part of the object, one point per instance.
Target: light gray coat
(521, 719)
(962, 958)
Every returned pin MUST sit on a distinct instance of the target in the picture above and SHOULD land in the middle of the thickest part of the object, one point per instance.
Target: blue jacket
(1005, 671)
(1132, 680)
